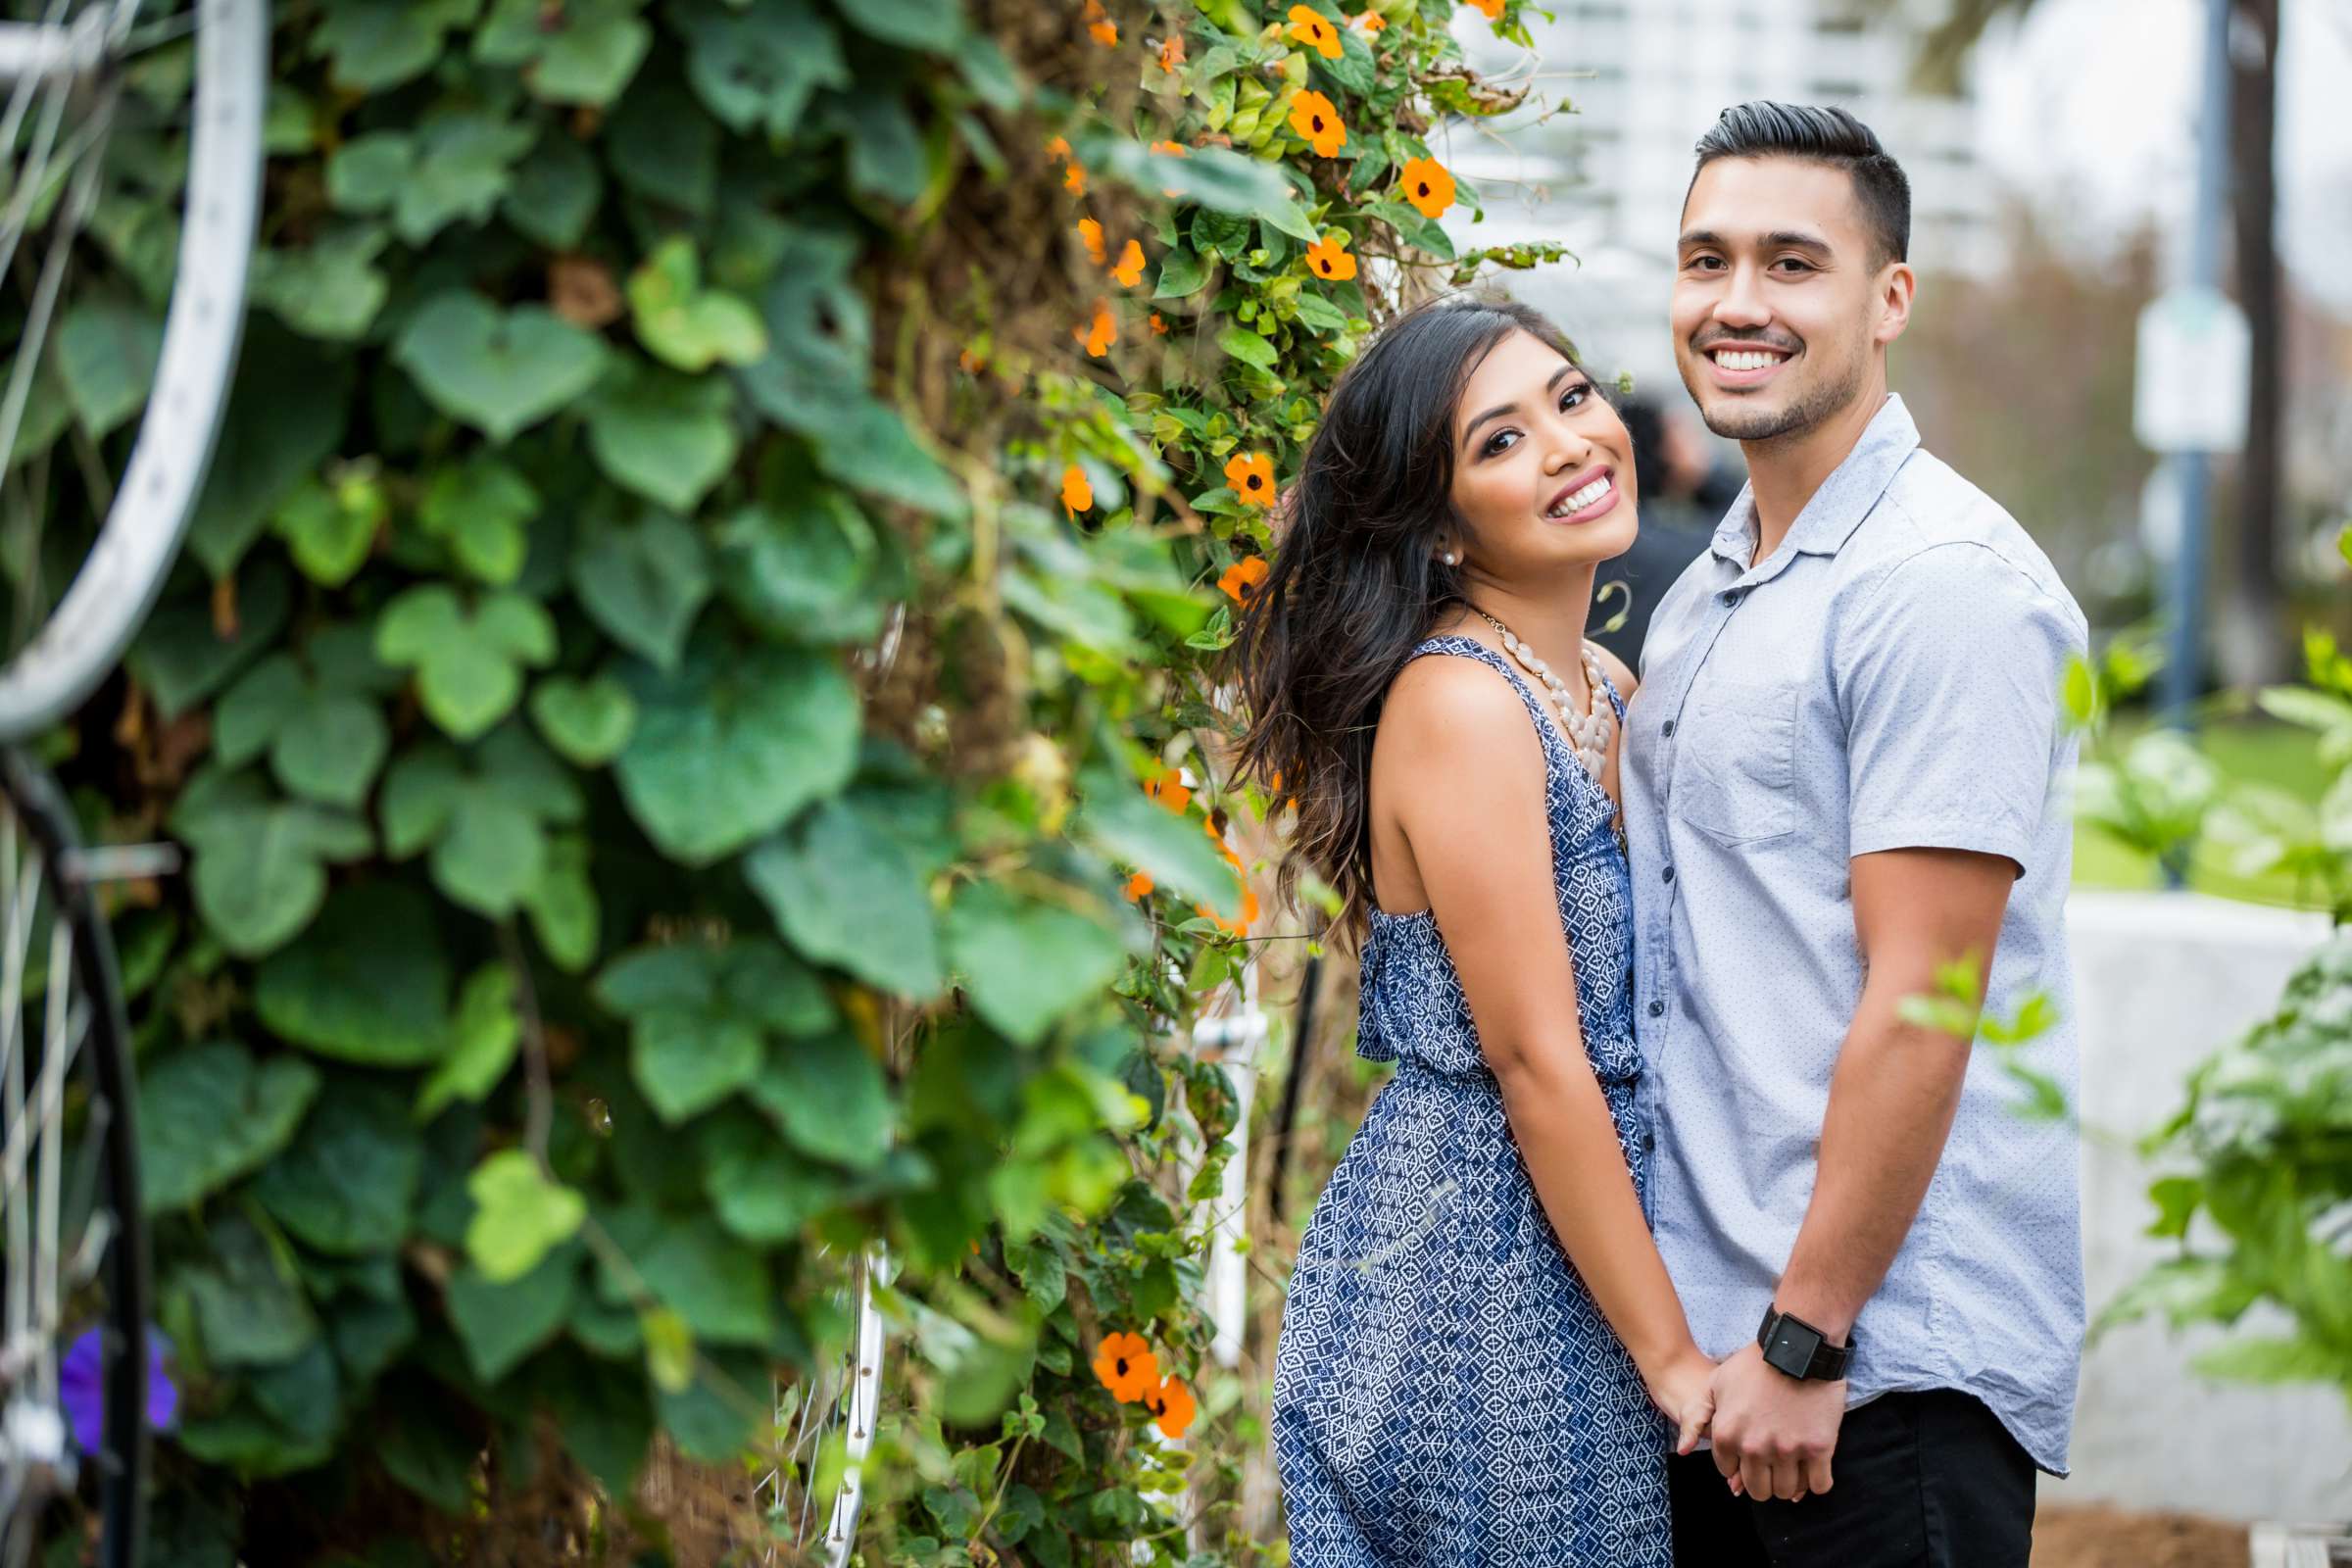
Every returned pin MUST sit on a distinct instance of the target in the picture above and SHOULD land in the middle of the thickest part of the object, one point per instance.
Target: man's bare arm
(1891, 1102)
(1897, 1085)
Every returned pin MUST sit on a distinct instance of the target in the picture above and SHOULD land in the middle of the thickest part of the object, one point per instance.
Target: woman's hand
(1685, 1390)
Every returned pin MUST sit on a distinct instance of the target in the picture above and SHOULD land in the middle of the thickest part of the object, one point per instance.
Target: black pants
(1919, 1481)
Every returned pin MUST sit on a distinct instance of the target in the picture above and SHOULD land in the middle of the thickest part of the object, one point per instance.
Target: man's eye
(1794, 264)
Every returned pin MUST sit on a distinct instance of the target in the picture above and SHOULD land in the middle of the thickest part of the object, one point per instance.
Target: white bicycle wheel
(75, 1298)
(96, 92)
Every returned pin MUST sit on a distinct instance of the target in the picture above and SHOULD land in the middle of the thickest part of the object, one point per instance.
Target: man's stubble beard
(1736, 422)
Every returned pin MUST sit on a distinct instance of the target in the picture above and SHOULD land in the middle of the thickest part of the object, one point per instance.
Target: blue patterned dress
(1447, 1392)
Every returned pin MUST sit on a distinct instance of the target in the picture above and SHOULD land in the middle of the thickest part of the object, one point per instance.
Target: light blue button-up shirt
(1887, 678)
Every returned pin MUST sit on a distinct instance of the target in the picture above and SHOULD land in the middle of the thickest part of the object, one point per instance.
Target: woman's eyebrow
(1502, 408)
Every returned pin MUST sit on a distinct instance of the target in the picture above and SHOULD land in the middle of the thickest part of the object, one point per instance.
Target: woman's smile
(1584, 498)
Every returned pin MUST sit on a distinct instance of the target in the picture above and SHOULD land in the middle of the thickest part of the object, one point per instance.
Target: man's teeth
(1745, 358)
(1581, 499)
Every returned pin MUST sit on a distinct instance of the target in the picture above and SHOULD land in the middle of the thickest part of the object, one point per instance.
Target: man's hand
(1774, 1434)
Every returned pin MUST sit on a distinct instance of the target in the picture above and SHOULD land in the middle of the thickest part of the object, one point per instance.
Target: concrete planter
(2276, 1545)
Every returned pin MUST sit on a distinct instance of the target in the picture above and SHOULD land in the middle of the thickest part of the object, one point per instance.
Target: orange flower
(1127, 1367)
(1100, 334)
(1251, 476)
(1309, 27)
(1239, 926)
(1076, 494)
(1091, 233)
(1328, 258)
(1313, 118)
(1170, 791)
(1491, 8)
(1174, 149)
(1241, 578)
(1075, 180)
(1058, 149)
(970, 362)
(1171, 54)
(1138, 887)
(1106, 34)
(1426, 185)
(1372, 22)
(1172, 1407)
(1159, 329)
(1130, 270)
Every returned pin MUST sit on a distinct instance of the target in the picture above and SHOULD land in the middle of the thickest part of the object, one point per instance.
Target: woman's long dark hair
(1357, 583)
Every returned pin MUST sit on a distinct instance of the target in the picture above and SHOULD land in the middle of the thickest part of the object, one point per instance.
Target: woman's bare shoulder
(1455, 711)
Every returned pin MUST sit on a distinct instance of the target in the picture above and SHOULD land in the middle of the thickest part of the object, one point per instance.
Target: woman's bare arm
(1459, 768)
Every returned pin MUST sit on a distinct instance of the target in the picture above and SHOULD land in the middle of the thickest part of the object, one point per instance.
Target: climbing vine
(688, 704)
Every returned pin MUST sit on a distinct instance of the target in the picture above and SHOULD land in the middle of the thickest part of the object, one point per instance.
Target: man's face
(1778, 303)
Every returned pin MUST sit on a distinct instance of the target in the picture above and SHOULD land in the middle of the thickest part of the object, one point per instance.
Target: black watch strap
(1795, 1347)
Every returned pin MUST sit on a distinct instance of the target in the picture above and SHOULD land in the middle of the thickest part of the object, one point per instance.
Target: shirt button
(1667, 728)
(1668, 874)
(1658, 1009)
(1729, 597)
(1649, 1143)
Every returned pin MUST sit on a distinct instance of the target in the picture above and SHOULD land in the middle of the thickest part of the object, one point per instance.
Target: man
(1845, 768)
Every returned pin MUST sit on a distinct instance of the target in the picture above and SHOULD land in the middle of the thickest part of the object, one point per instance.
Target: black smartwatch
(1795, 1347)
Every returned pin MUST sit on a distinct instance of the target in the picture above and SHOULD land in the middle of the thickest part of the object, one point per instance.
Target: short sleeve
(1949, 673)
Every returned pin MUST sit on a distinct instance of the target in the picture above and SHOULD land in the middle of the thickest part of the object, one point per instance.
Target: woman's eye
(1572, 397)
(1495, 442)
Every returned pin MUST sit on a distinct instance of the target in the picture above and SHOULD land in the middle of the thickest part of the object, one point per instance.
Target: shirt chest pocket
(1736, 779)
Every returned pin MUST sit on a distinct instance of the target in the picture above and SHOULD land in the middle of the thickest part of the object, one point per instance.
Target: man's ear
(1897, 284)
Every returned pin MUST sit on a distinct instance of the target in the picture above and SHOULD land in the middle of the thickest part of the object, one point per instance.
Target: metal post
(2186, 662)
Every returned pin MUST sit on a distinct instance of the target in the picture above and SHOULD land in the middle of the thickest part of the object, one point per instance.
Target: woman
(1449, 1390)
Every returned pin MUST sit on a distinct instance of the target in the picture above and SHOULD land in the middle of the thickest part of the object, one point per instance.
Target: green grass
(2251, 749)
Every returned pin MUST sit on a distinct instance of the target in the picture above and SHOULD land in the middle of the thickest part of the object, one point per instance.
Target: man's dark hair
(1832, 136)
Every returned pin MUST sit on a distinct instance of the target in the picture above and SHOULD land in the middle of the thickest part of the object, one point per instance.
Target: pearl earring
(1451, 559)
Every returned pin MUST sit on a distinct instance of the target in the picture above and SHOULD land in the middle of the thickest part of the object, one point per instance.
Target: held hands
(1774, 1434)
(1684, 1389)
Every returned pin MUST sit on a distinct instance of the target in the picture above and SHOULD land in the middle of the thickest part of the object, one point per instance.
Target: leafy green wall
(675, 699)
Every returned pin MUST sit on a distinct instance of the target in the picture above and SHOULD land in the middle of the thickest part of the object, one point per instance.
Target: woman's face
(1543, 467)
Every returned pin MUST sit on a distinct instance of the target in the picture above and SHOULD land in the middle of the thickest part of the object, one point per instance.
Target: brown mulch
(2098, 1537)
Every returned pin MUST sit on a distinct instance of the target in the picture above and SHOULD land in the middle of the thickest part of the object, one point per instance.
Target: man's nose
(1741, 302)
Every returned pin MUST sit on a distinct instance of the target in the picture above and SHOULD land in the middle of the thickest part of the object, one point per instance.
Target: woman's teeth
(1581, 499)
(1745, 358)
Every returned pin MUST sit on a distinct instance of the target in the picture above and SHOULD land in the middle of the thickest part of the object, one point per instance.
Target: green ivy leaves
(469, 660)
(518, 1215)
(484, 815)
(367, 983)
(259, 862)
(728, 747)
(210, 1113)
(699, 1017)
(848, 893)
(497, 371)
(315, 715)
(685, 326)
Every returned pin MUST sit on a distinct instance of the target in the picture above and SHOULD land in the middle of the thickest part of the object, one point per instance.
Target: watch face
(1791, 1347)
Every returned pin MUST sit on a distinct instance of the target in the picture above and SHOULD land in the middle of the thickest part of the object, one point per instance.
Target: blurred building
(1644, 80)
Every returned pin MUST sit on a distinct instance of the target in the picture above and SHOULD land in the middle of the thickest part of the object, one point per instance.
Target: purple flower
(80, 1388)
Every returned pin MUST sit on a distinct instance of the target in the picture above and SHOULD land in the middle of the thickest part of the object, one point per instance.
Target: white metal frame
(118, 583)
